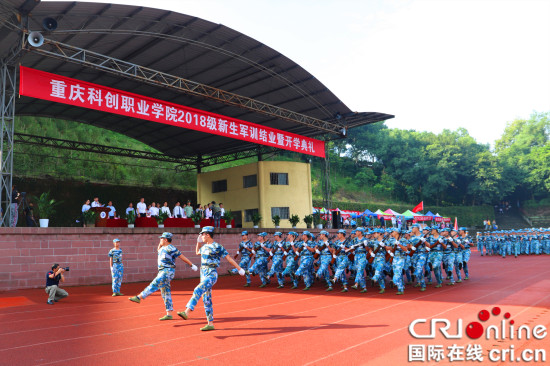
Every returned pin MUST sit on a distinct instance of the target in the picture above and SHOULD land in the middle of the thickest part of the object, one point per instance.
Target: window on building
(249, 213)
(219, 186)
(250, 181)
(283, 212)
(279, 178)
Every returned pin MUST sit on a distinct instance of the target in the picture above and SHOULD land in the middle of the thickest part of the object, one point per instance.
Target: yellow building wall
(296, 195)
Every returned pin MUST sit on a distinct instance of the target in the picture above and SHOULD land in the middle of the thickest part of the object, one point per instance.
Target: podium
(102, 216)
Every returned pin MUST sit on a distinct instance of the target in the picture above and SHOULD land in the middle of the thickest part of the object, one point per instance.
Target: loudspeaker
(49, 24)
(36, 39)
(336, 223)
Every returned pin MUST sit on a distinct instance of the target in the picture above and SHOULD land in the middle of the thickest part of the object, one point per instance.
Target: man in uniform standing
(117, 268)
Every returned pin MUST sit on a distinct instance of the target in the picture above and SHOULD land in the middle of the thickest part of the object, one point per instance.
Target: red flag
(456, 224)
(419, 207)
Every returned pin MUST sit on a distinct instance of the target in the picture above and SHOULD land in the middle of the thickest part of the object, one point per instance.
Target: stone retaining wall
(27, 254)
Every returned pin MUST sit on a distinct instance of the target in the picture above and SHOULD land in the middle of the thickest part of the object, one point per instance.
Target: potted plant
(317, 220)
(308, 219)
(197, 218)
(228, 217)
(276, 221)
(256, 218)
(89, 218)
(131, 218)
(46, 207)
(294, 220)
(160, 218)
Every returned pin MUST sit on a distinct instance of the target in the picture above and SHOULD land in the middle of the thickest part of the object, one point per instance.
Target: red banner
(61, 89)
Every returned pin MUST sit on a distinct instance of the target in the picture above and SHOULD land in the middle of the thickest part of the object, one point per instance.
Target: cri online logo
(475, 330)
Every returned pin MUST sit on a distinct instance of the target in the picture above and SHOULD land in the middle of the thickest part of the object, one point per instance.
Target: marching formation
(514, 242)
(420, 256)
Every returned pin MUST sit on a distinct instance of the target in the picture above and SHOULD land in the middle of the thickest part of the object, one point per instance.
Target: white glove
(382, 244)
(280, 245)
(451, 239)
(194, 268)
(253, 251)
(317, 251)
(199, 239)
(342, 246)
(372, 255)
(458, 242)
(413, 248)
(285, 253)
(423, 240)
(428, 249)
(238, 252)
(305, 244)
(241, 272)
(391, 254)
(296, 252)
(111, 269)
(270, 254)
(334, 256)
(440, 240)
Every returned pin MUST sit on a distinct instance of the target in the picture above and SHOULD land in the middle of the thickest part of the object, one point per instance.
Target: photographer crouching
(52, 284)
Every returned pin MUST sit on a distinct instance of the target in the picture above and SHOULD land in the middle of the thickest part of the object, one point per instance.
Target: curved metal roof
(180, 45)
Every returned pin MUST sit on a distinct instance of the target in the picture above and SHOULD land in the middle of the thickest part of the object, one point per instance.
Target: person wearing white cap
(211, 253)
(167, 255)
(117, 268)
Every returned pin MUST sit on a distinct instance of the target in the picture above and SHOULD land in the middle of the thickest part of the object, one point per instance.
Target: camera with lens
(66, 269)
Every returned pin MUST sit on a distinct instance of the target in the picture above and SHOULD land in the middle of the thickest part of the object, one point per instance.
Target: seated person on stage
(52, 284)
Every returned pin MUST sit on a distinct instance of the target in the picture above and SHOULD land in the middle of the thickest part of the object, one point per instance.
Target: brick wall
(27, 254)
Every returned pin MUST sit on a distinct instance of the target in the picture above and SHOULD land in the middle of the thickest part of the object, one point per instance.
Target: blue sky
(435, 64)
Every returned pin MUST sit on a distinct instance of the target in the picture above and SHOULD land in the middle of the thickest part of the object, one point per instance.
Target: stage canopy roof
(176, 44)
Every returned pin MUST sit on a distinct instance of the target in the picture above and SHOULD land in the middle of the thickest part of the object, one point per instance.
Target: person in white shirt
(222, 210)
(130, 209)
(96, 202)
(178, 211)
(142, 208)
(208, 212)
(112, 213)
(166, 209)
(148, 213)
(154, 210)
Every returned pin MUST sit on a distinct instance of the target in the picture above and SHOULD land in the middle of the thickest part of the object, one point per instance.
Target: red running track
(272, 327)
